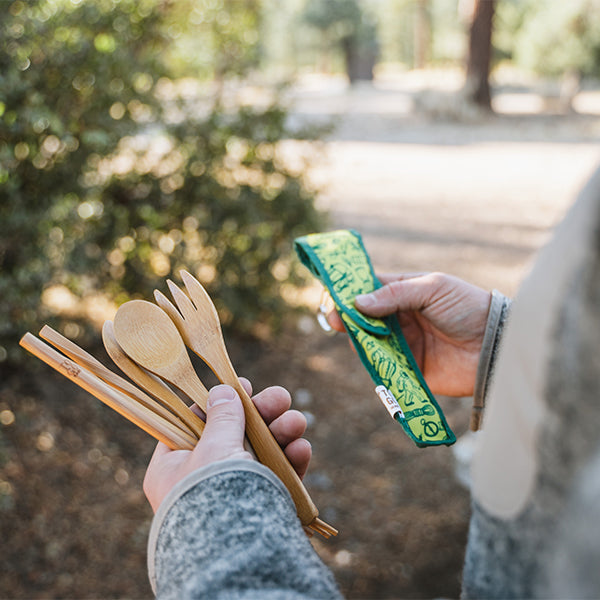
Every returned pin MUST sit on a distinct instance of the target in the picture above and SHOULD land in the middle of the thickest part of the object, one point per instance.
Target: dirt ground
(429, 191)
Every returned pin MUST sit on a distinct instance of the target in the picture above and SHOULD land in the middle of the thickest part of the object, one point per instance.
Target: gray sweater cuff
(192, 480)
(497, 315)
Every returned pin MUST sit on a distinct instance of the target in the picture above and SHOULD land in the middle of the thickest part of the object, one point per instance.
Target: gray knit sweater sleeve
(230, 530)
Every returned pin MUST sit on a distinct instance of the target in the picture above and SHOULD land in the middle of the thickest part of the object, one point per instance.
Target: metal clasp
(322, 312)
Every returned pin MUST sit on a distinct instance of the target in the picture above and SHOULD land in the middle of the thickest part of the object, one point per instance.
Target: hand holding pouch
(339, 260)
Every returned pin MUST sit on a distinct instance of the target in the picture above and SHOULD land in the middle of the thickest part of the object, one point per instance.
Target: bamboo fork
(198, 323)
(140, 415)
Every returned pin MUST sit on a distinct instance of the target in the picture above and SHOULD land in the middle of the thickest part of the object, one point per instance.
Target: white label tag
(389, 401)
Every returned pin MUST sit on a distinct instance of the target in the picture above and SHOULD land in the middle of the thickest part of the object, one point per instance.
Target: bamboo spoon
(84, 359)
(149, 382)
(199, 325)
(149, 337)
(132, 410)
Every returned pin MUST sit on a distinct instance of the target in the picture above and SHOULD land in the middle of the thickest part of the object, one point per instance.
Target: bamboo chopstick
(140, 415)
(86, 360)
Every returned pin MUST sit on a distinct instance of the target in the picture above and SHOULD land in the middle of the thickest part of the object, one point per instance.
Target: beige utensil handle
(138, 414)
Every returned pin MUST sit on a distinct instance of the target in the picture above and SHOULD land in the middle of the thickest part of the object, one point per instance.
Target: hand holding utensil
(145, 337)
(198, 323)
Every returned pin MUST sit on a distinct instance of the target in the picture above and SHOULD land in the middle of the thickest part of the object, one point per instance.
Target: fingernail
(365, 300)
(220, 394)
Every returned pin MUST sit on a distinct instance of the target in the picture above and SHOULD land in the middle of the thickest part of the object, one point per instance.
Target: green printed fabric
(339, 260)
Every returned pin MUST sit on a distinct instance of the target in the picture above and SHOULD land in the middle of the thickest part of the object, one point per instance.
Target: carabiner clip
(322, 314)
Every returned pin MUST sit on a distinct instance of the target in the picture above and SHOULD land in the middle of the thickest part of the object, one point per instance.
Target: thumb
(223, 435)
(401, 295)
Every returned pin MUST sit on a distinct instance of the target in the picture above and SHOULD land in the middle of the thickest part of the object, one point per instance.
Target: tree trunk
(360, 61)
(422, 34)
(477, 86)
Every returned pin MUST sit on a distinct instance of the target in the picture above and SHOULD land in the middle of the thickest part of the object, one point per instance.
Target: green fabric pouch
(339, 260)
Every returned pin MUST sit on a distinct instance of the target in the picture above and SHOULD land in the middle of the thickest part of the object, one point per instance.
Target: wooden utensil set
(148, 343)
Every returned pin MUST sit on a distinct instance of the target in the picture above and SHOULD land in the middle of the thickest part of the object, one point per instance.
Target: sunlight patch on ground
(95, 308)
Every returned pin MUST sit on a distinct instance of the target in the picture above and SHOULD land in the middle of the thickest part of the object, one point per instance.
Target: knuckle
(222, 417)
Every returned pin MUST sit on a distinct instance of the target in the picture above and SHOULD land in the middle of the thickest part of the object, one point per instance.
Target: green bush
(112, 177)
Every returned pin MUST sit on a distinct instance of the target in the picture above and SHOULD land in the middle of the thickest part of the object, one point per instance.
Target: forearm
(230, 530)
(497, 317)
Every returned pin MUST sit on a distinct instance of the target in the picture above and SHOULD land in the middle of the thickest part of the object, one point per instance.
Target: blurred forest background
(141, 137)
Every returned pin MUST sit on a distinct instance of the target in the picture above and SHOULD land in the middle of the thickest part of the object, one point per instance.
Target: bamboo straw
(140, 415)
